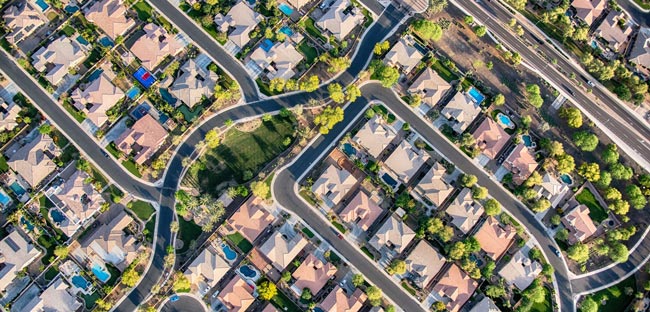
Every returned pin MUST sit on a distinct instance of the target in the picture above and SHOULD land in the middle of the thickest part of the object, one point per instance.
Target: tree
(618, 252)
(387, 75)
(468, 19)
(578, 253)
(352, 92)
(260, 189)
(45, 129)
(480, 30)
(535, 292)
(556, 220)
(328, 118)
(102, 305)
(499, 99)
(589, 305)
(310, 84)
(61, 252)
(457, 251)
(267, 290)
(612, 194)
(358, 280)
(181, 283)
(381, 47)
(488, 269)
(479, 192)
(336, 93)
(492, 207)
(554, 148)
(619, 207)
(130, 277)
(174, 227)
(637, 199)
(533, 94)
(306, 294)
(277, 84)
(534, 179)
(585, 140)
(212, 139)
(581, 34)
(427, 29)
(436, 6)
(518, 5)
(439, 306)
(610, 154)
(540, 205)
(572, 115)
(468, 180)
(605, 179)
(565, 163)
(495, 291)
(589, 171)
(338, 64)
(374, 295)
(396, 267)
(621, 172)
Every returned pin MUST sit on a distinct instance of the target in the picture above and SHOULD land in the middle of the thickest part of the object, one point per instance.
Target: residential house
(393, 236)
(16, 253)
(110, 16)
(281, 248)
(76, 201)
(495, 238)
(403, 55)
(312, 274)
(194, 83)
(461, 110)
(552, 189)
(374, 136)
(521, 271)
(405, 161)
(339, 301)
(8, 115)
(521, 163)
(143, 139)
(455, 288)
(640, 51)
(361, 211)
(433, 187)
(278, 60)
(22, 19)
(96, 98)
(423, 264)
(485, 305)
(35, 160)
(579, 224)
(237, 295)
(207, 270)
(333, 184)
(298, 3)
(615, 30)
(156, 44)
(339, 21)
(490, 138)
(464, 211)
(56, 59)
(251, 219)
(430, 87)
(588, 10)
(56, 297)
(238, 24)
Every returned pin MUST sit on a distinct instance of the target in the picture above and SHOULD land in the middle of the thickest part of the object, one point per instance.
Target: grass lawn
(150, 227)
(111, 148)
(544, 306)
(190, 114)
(264, 88)
(131, 167)
(617, 299)
(443, 71)
(644, 5)
(68, 153)
(143, 9)
(49, 244)
(310, 52)
(3, 164)
(142, 209)
(51, 273)
(99, 177)
(79, 117)
(408, 288)
(339, 227)
(308, 232)
(188, 231)
(305, 194)
(95, 55)
(367, 252)
(596, 211)
(115, 274)
(68, 31)
(241, 242)
(116, 193)
(89, 300)
(283, 303)
(312, 29)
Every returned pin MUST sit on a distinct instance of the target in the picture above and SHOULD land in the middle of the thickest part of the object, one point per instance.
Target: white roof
(552, 189)
(9, 115)
(405, 161)
(393, 234)
(56, 297)
(279, 61)
(464, 211)
(243, 19)
(339, 23)
(462, 110)
(521, 271)
(404, 54)
(430, 86)
(374, 136)
(194, 83)
(640, 52)
(77, 200)
(56, 59)
(22, 19)
(424, 262)
(207, 269)
(34, 161)
(281, 250)
(433, 187)
(333, 184)
(16, 252)
(97, 98)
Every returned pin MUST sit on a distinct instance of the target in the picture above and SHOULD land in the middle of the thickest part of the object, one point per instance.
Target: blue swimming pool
(57, 216)
(17, 189)
(230, 254)
(349, 149)
(566, 179)
(528, 141)
(4, 198)
(144, 77)
(106, 42)
(71, 9)
(287, 31)
(476, 260)
(285, 8)
(141, 110)
(100, 273)
(81, 282)
(27, 224)
(247, 271)
(266, 45)
(389, 180)
(83, 41)
(505, 121)
(133, 92)
(42, 4)
(476, 95)
(168, 97)
(94, 75)
(594, 44)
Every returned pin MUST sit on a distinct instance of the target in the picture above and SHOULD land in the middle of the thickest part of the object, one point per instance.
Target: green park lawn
(596, 211)
(142, 209)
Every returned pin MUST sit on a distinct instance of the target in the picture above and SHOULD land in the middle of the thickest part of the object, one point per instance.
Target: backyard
(596, 211)
(188, 231)
(242, 243)
(616, 298)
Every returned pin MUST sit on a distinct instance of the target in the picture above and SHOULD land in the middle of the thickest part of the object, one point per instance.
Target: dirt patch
(249, 125)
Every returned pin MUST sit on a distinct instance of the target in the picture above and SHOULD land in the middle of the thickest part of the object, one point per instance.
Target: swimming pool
(95, 75)
(133, 92)
(168, 97)
(100, 273)
(287, 31)
(81, 40)
(505, 121)
(106, 42)
(17, 189)
(389, 180)
(27, 224)
(230, 254)
(4, 198)
(71, 9)
(349, 149)
(594, 44)
(266, 45)
(81, 282)
(144, 77)
(285, 8)
(566, 179)
(247, 271)
(42, 4)
(476, 95)
(528, 142)
(57, 216)
(141, 110)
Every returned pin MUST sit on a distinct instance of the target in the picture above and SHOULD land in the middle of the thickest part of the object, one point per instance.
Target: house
(521, 163)
(374, 136)
(56, 297)
(56, 59)
(16, 253)
(281, 248)
(465, 211)
(430, 87)
(8, 115)
(251, 219)
(207, 270)
(393, 235)
(612, 31)
(312, 274)
(238, 23)
(22, 19)
(298, 3)
(579, 224)
(433, 187)
(339, 21)
(76, 201)
(237, 295)
(455, 288)
(333, 184)
(109, 243)
(143, 139)
(495, 238)
(552, 189)
(194, 83)
(588, 10)
(403, 55)
(640, 51)
(423, 264)
(461, 110)
(485, 305)
(521, 271)
(490, 138)
(156, 44)
(361, 211)
(96, 98)
(405, 161)
(35, 160)
(278, 60)
(338, 301)
(110, 16)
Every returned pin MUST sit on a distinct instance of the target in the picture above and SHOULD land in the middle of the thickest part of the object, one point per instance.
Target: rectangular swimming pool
(476, 95)
(101, 273)
(42, 4)
(285, 8)
(17, 189)
(4, 198)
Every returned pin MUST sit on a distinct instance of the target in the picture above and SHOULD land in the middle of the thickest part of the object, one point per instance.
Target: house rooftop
(430, 86)
(22, 19)
(110, 16)
(237, 295)
(251, 219)
(194, 83)
(312, 274)
(462, 110)
(333, 184)
(374, 136)
(552, 189)
(521, 163)
(588, 10)
(96, 98)
(490, 138)
(404, 55)
(405, 161)
(16, 252)
(361, 210)
(338, 301)
(242, 19)
(485, 305)
(393, 234)
(34, 161)
(423, 263)
(433, 187)
(207, 269)
(279, 61)
(56, 59)
(612, 32)
(465, 212)
(144, 138)
(281, 249)
(495, 238)
(77, 199)
(521, 271)
(455, 288)
(579, 224)
(56, 297)
(339, 21)
(156, 44)
(8, 115)
(640, 51)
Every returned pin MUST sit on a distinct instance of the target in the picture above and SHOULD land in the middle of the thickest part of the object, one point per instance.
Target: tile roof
(465, 211)
(251, 219)
(490, 138)
(242, 19)
(374, 136)
(338, 21)
(145, 137)
(313, 274)
(393, 234)
(588, 10)
(521, 163)
(433, 187)
(338, 301)
(495, 238)
(462, 110)
(611, 32)
(110, 243)
(430, 86)
(404, 55)
(96, 98)
(152, 47)
(405, 161)
(207, 269)
(333, 184)
(77, 199)
(455, 287)
(110, 16)
(280, 60)
(552, 189)
(8, 114)
(579, 224)
(237, 295)
(16, 252)
(22, 19)
(194, 83)
(423, 263)
(34, 161)
(56, 59)
(640, 51)
(56, 297)
(281, 250)
(361, 210)
(521, 271)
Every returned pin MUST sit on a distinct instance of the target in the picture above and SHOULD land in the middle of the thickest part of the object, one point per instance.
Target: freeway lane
(624, 129)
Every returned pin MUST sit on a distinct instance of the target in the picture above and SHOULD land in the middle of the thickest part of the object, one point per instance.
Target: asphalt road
(183, 304)
(639, 16)
(626, 128)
